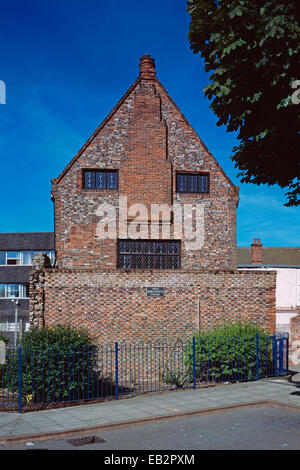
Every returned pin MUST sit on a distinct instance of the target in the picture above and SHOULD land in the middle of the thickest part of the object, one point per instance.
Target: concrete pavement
(62, 422)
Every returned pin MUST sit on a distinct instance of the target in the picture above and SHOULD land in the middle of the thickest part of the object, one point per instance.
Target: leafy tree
(252, 49)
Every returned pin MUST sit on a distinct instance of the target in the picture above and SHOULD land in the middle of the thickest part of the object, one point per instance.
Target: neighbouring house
(132, 275)
(16, 254)
(286, 262)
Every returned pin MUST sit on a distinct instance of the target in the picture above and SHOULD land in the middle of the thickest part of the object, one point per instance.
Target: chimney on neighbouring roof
(147, 67)
(256, 251)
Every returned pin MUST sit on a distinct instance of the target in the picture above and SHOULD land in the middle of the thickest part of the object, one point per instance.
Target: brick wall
(113, 305)
(148, 140)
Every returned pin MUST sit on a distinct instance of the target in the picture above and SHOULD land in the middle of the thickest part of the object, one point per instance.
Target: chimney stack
(256, 252)
(147, 67)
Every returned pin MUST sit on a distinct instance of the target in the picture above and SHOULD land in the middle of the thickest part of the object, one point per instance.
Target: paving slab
(152, 406)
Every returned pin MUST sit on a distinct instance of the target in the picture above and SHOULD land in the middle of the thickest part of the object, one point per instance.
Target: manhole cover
(83, 441)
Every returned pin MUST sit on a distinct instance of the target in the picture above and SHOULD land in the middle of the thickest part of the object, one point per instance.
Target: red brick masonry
(114, 305)
(148, 141)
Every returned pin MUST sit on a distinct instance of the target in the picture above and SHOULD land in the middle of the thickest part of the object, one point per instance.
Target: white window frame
(22, 257)
(21, 290)
(50, 253)
(17, 258)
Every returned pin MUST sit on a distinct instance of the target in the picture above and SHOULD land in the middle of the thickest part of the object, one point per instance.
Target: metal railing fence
(60, 375)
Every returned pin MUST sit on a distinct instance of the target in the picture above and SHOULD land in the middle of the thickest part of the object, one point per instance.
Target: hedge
(57, 365)
(231, 352)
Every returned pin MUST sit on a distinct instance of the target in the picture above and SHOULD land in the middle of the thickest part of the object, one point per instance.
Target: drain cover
(83, 441)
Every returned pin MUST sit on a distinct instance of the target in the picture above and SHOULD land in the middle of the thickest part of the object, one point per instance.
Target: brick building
(146, 147)
(286, 262)
(146, 285)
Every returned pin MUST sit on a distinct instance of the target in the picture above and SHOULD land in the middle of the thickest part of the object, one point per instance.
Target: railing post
(117, 371)
(20, 378)
(275, 355)
(257, 356)
(287, 354)
(194, 363)
(280, 356)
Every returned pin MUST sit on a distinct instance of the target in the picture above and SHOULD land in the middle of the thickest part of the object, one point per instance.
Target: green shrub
(61, 336)
(175, 378)
(229, 353)
(57, 365)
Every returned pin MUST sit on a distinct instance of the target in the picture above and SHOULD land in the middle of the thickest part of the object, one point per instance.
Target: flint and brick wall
(114, 306)
(148, 140)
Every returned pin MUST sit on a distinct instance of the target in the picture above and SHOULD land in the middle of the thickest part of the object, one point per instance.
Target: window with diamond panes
(138, 254)
(100, 179)
(192, 183)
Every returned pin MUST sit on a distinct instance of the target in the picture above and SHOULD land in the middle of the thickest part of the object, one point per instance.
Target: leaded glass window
(100, 179)
(150, 254)
(192, 183)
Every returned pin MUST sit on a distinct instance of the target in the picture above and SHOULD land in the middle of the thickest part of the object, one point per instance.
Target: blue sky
(66, 64)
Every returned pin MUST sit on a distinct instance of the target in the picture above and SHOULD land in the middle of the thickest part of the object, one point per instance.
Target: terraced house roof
(271, 256)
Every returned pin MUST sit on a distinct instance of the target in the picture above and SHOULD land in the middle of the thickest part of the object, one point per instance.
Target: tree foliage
(252, 49)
